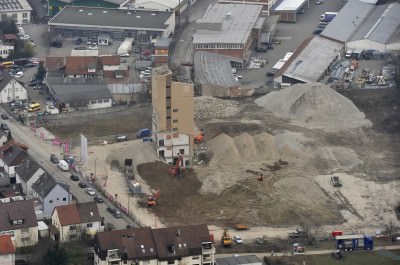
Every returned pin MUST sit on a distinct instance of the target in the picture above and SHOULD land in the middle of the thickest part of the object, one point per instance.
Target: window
(24, 15)
(175, 121)
(106, 100)
(175, 110)
(89, 225)
(171, 261)
(72, 227)
(161, 142)
(64, 199)
(195, 257)
(182, 151)
(25, 230)
(93, 102)
(58, 199)
(174, 129)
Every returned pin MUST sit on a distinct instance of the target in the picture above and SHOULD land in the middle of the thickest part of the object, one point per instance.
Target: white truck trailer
(125, 48)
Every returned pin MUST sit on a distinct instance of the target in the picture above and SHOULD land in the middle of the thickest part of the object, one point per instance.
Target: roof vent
(184, 245)
(91, 213)
(89, 14)
(151, 250)
(80, 10)
(141, 246)
(137, 16)
(105, 11)
(153, 14)
(228, 14)
(179, 245)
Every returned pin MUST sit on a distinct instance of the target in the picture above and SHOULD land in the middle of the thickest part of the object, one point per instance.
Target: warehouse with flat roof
(229, 29)
(89, 22)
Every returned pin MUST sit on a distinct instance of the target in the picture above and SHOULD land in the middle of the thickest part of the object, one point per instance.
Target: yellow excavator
(226, 239)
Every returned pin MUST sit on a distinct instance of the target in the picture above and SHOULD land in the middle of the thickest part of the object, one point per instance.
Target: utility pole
(179, 9)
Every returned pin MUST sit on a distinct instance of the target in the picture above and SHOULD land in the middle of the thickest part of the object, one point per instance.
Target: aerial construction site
(268, 161)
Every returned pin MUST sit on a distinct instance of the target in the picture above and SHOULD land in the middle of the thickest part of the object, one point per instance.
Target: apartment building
(17, 10)
(182, 245)
(172, 118)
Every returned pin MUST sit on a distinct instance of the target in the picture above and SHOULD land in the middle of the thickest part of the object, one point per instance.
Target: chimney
(27, 163)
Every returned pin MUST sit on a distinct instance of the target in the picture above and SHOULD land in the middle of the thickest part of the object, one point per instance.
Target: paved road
(41, 151)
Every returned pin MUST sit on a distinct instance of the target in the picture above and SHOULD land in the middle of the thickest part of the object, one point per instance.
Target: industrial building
(90, 22)
(289, 9)
(173, 117)
(362, 26)
(229, 29)
(310, 61)
(239, 260)
(266, 4)
(17, 10)
(214, 76)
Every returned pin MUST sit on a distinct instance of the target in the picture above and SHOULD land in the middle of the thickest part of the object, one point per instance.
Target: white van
(63, 165)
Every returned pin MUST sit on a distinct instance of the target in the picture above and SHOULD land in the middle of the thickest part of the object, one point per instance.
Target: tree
(391, 228)
(8, 27)
(9, 136)
(56, 255)
(41, 72)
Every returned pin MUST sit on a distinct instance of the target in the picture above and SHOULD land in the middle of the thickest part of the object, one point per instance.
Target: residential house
(50, 193)
(27, 174)
(5, 51)
(11, 89)
(18, 220)
(17, 10)
(190, 245)
(11, 156)
(7, 250)
(73, 220)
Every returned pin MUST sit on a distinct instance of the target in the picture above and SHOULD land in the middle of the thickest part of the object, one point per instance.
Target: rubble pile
(206, 107)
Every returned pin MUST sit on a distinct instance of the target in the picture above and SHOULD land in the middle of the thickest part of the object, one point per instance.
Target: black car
(28, 65)
(116, 213)
(98, 199)
(56, 44)
(54, 159)
(261, 49)
(270, 74)
(4, 116)
(74, 178)
(82, 185)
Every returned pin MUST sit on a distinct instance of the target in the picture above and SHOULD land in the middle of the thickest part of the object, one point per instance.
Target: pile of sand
(206, 107)
(260, 147)
(314, 106)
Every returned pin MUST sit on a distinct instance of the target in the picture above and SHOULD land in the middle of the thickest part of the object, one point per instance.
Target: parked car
(98, 199)
(82, 185)
(90, 191)
(56, 44)
(25, 37)
(186, 64)
(116, 213)
(270, 74)
(121, 138)
(19, 74)
(317, 31)
(261, 49)
(4, 127)
(4, 116)
(237, 239)
(319, 2)
(28, 65)
(93, 48)
(54, 159)
(74, 177)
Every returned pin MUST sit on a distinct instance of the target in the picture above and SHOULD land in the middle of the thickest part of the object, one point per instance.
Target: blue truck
(328, 16)
(354, 242)
(143, 133)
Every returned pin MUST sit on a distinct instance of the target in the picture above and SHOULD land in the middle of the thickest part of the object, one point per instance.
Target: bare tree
(391, 228)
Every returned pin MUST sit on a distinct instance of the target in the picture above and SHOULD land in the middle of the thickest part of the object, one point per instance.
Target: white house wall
(170, 26)
(24, 237)
(7, 259)
(13, 91)
(100, 103)
(55, 198)
(173, 146)
(5, 51)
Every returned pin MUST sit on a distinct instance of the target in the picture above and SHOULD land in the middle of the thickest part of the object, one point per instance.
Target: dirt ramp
(314, 106)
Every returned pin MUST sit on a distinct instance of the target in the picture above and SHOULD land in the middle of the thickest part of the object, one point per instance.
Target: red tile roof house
(7, 250)
(189, 245)
(72, 221)
(18, 220)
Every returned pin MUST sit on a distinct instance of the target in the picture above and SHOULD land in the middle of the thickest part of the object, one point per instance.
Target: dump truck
(226, 239)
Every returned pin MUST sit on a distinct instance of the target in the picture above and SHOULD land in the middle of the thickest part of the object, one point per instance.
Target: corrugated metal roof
(310, 63)
(381, 24)
(349, 19)
(237, 22)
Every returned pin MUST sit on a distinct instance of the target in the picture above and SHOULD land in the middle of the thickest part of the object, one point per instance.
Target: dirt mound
(210, 107)
(314, 106)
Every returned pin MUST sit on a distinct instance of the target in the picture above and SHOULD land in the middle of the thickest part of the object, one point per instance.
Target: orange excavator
(176, 170)
(199, 138)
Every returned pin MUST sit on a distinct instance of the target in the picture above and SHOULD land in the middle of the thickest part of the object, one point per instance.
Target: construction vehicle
(354, 242)
(149, 200)
(298, 249)
(176, 169)
(336, 181)
(199, 138)
(226, 239)
(128, 169)
(241, 227)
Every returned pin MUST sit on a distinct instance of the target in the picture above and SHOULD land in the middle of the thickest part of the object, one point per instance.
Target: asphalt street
(41, 151)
